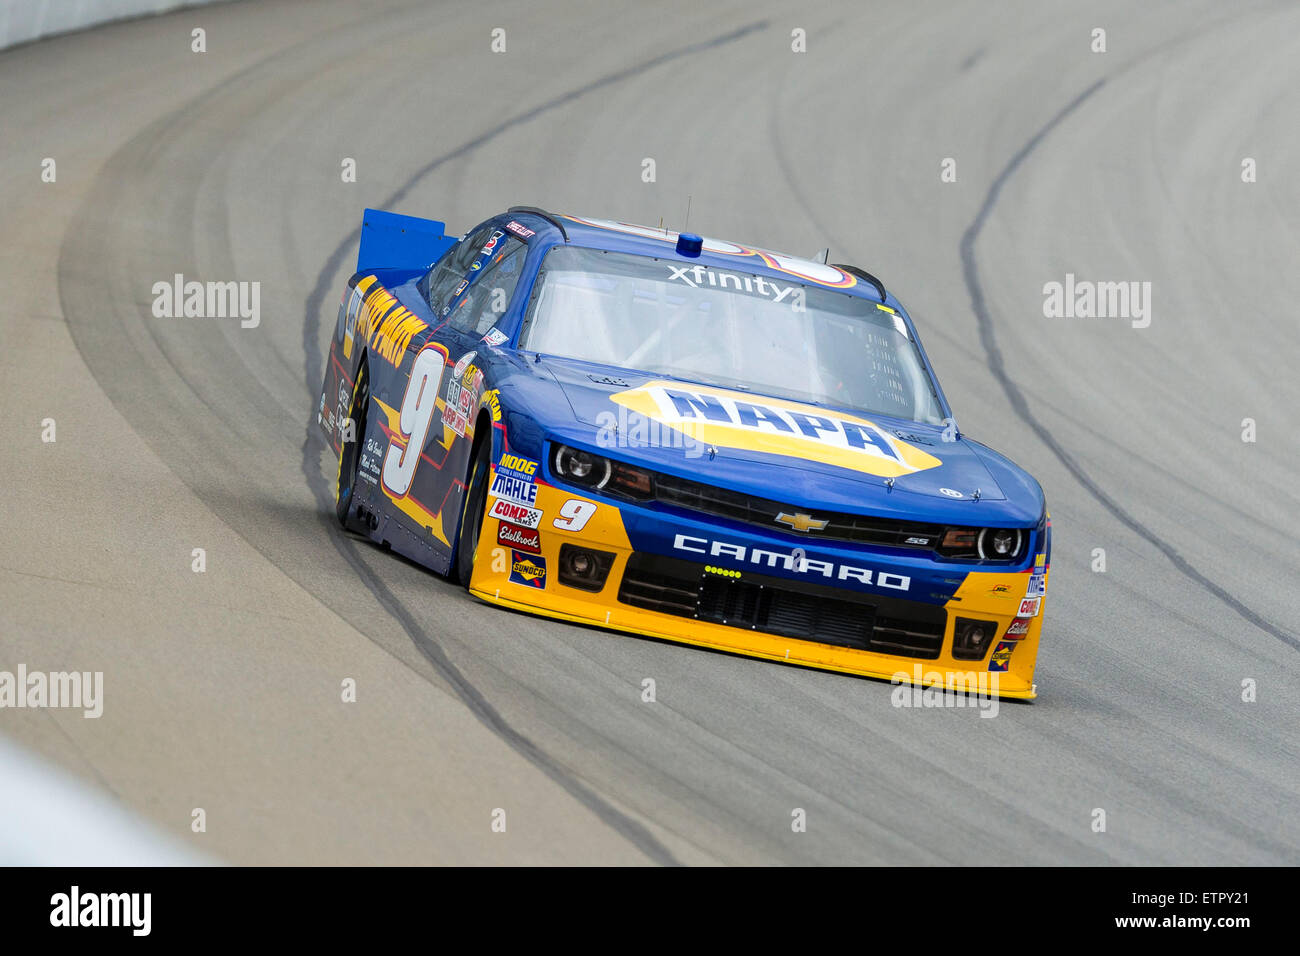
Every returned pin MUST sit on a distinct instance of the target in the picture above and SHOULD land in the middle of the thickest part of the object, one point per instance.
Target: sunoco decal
(1000, 660)
(528, 569)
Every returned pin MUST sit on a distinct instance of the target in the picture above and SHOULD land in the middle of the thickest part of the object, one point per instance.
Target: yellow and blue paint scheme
(433, 383)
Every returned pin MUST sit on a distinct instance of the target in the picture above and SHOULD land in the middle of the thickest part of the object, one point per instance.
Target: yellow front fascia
(975, 598)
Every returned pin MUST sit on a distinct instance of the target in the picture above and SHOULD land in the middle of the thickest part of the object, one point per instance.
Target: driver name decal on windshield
(774, 426)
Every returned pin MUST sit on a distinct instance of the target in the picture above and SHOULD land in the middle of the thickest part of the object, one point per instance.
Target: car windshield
(726, 327)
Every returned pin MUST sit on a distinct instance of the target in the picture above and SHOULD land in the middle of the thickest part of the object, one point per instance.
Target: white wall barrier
(25, 20)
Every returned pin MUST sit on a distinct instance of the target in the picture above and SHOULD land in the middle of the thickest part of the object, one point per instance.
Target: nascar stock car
(683, 438)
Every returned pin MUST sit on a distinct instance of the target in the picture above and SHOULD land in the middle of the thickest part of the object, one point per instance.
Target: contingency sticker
(520, 538)
(485, 253)
(514, 489)
(528, 569)
(462, 394)
(515, 513)
(517, 466)
(1001, 659)
(1018, 629)
(1037, 586)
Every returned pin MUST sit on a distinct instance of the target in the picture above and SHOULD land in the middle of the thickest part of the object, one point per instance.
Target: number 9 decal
(574, 515)
(418, 404)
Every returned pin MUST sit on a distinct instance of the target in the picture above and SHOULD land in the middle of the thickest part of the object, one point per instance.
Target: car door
(466, 291)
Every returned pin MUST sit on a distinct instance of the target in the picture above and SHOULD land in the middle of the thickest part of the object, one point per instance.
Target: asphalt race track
(222, 688)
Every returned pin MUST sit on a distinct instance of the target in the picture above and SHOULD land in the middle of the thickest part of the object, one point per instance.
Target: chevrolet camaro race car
(683, 438)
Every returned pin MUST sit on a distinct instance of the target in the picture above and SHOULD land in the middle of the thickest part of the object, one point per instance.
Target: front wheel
(471, 518)
(350, 452)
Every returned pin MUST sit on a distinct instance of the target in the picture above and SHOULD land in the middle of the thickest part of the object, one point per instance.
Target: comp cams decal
(515, 513)
(726, 418)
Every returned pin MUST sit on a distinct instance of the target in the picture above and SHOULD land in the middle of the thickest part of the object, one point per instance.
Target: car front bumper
(695, 580)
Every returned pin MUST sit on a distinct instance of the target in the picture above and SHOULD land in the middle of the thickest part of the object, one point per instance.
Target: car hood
(806, 455)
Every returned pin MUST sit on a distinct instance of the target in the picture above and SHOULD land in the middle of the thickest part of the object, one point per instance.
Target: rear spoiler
(393, 241)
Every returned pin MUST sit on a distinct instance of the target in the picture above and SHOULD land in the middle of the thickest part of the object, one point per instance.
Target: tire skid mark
(997, 365)
(347, 546)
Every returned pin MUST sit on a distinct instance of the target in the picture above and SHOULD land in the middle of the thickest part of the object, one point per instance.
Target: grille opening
(787, 608)
(724, 503)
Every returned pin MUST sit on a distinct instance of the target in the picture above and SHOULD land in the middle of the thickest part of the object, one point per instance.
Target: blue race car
(683, 438)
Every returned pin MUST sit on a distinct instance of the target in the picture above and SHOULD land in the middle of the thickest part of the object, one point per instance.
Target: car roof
(649, 241)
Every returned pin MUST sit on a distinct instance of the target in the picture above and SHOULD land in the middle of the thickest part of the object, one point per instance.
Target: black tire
(350, 453)
(471, 516)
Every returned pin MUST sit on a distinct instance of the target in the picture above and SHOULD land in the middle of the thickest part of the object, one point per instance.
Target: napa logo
(729, 419)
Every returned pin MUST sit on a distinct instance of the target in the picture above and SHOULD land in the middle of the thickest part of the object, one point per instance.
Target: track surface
(222, 689)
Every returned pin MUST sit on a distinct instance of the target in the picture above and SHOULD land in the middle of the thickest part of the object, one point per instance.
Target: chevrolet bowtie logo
(801, 522)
